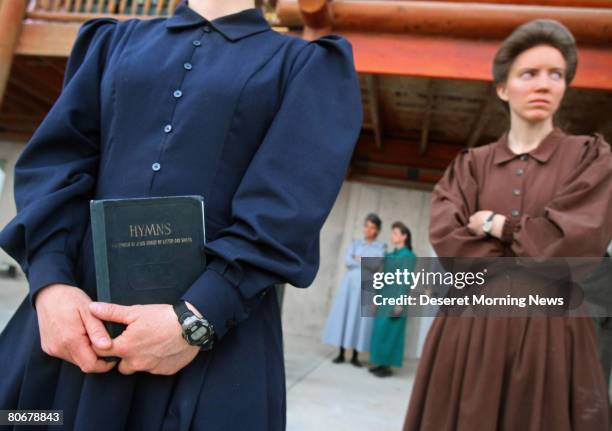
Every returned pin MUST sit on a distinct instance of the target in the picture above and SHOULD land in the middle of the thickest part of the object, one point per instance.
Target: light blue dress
(345, 327)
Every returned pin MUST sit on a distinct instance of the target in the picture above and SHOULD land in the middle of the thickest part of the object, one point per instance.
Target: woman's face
(370, 231)
(397, 237)
(536, 84)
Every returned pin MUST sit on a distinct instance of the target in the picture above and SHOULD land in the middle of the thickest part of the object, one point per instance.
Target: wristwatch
(488, 224)
(197, 331)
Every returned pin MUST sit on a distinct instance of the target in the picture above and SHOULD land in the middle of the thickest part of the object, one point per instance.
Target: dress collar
(541, 153)
(233, 27)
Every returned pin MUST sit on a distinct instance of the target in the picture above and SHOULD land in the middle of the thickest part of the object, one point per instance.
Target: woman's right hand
(67, 328)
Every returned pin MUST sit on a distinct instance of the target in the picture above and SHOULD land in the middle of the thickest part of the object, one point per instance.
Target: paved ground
(337, 397)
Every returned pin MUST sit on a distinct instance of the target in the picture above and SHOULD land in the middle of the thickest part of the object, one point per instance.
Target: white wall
(305, 310)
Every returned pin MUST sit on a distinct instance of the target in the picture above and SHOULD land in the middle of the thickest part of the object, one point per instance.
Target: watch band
(487, 226)
(181, 310)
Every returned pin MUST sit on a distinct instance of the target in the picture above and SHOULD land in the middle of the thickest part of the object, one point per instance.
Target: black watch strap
(181, 310)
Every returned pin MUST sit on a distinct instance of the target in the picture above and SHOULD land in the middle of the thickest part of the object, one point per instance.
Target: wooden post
(317, 18)
(11, 20)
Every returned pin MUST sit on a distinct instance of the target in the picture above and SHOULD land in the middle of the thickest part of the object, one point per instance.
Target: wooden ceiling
(414, 127)
(34, 85)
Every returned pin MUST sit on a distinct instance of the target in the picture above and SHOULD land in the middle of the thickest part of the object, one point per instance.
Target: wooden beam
(453, 58)
(11, 21)
(482, 119)
(372, 91)
(458, 19)
(47, 39)
(562, 3)
(316, 17)
(427, 120)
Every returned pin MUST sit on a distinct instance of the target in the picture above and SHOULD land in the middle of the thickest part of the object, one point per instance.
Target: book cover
(146, 250)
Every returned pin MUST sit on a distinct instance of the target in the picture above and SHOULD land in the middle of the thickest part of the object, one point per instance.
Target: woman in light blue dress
(345, 326)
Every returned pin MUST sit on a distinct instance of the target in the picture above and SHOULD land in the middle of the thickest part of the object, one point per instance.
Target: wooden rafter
(374, 105)
(427, 117)
(482, 119)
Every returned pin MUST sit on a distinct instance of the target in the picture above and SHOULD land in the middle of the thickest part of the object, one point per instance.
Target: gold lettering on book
(152, 242)
(149, 230)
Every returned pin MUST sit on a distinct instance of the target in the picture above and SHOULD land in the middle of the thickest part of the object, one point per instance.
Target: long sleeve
(288, 189)
(349, 259)
(56, 172)
(454, 200)
(578, 220)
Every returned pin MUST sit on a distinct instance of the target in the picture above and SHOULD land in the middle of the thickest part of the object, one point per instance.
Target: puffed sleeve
(349, 259)
(288, 189)
(454, 200)
(56, 173)
(578, 220)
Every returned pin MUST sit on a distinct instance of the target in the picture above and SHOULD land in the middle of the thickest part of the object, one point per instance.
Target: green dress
(387, 347)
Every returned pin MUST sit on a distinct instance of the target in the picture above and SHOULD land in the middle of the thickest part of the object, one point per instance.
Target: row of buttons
(178, 93)
(517, 191)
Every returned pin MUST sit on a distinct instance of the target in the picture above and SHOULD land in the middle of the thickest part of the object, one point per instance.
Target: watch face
(198, 332)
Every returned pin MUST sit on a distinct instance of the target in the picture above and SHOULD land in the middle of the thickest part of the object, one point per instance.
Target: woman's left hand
(152, 341)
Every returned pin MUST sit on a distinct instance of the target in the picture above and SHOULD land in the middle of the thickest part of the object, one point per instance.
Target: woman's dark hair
(538, 32)
(405, 231)
(374, 219)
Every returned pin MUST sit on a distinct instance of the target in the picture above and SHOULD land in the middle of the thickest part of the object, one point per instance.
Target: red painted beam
(453, 58)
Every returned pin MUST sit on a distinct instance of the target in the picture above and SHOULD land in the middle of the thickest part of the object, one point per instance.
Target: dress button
(516, 192)
(196, 43)
(520, 171)
(177, 93)
(156, 167)
(515, 213)
(167, 128)
(524, 157)
(206, 28)
(188, 66)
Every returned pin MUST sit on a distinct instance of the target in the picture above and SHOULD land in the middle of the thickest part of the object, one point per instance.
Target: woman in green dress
(387, 346)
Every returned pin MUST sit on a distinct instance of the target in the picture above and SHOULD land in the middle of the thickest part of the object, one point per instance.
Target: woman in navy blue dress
(263, 126)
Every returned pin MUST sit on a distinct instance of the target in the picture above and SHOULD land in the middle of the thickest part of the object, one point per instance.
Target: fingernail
(95, 306)
(102, 341)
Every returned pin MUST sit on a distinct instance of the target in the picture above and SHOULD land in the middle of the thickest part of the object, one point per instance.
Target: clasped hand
(71, 328)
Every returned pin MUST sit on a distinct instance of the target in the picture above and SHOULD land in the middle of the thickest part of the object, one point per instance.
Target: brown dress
(518, 373)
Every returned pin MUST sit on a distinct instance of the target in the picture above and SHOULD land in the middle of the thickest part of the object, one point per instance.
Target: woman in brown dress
(549, 195)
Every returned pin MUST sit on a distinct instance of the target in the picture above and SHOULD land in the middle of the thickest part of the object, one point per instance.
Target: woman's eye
(526, 75)
(556, 75)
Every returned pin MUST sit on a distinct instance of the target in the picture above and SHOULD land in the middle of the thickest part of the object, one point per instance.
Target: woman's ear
(502, 92)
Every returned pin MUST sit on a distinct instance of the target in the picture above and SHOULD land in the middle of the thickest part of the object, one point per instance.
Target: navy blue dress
(262, 125)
